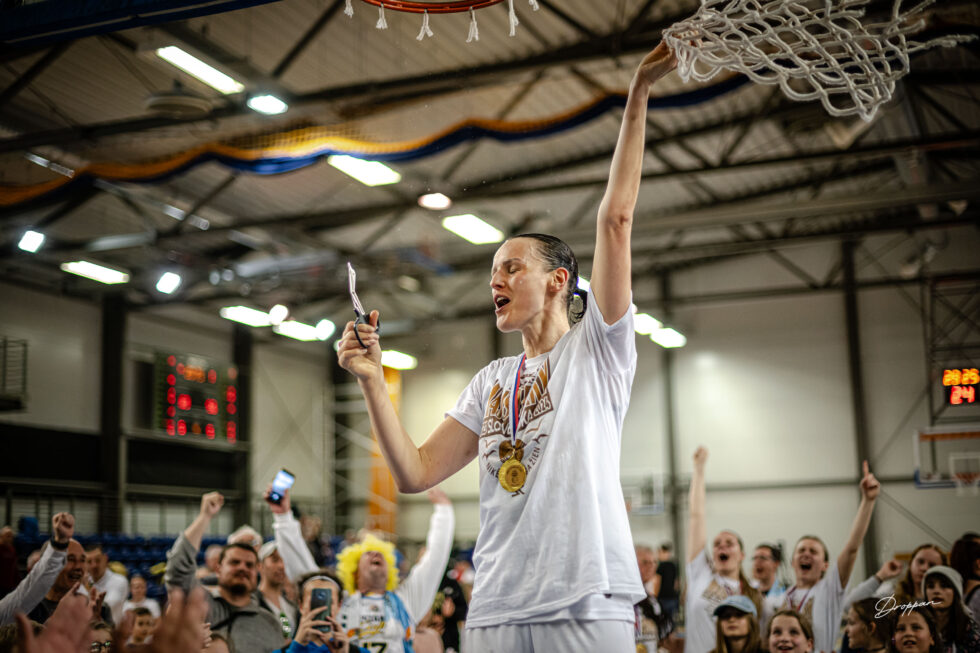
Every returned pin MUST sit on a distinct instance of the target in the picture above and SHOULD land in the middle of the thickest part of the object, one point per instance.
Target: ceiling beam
(969, 141)
(601, 47)
(32, 73)
(306, 39)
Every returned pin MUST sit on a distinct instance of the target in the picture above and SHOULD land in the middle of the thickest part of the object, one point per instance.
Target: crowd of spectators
(927, 606)
(249, 596)
(294, 594)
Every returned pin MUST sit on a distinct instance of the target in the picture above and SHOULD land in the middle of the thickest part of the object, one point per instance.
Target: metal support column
(241, 355)
(112, 471)
(857, 382)
(673, 484)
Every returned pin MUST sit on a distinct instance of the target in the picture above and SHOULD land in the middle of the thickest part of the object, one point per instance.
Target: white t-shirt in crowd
(379, 622)
(822, 604)
(116, 589)
(705, 590)
(560, 543)
(149, 604)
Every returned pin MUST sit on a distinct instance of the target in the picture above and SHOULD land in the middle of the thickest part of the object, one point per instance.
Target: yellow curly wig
(348, 559)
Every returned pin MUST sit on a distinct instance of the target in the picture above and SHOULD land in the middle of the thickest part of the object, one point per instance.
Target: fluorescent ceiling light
(50, 165)
(169, 282)
(398, 361)
(296, 330)
(435, 201)
(369, 173)
(202, 71)
(174, 212)
(668, 338)
(31, 241)
(95, 272)
(325, 329)
(278, 314)
(409, 284)
(645, 324)
(267, 104)
(471, 228)
(245, 315)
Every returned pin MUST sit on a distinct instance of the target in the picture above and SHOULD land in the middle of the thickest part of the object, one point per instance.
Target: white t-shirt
(562, 540)
(377, 621)
(149, 604)
(116, 589)
(705, 590)
(822, 604)
(372, 622)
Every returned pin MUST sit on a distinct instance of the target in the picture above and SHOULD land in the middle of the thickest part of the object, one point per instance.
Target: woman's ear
(559, 278)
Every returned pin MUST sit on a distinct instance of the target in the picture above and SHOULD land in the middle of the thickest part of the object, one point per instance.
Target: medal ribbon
(790, 596)
(515, 401)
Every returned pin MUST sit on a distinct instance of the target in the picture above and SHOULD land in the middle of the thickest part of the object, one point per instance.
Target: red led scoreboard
(195, 397)
(961, 385)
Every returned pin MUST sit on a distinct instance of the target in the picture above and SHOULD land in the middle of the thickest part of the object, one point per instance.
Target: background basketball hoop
(438, 7)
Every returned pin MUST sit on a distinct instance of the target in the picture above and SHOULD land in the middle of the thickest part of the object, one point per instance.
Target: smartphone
(282, 482)
(322, 596)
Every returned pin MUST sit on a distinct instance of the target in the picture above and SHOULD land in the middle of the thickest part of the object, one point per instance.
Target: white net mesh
(817, 49)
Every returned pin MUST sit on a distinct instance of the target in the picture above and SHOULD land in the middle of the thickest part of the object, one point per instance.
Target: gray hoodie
(251, 629)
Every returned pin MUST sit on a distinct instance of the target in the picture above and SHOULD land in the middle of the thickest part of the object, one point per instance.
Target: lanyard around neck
(515, 401)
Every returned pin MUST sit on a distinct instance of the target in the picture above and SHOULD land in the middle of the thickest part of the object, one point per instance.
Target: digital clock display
(195, 397)
(960, 385)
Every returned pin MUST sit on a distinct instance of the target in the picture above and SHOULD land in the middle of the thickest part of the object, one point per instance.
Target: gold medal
(512, 475)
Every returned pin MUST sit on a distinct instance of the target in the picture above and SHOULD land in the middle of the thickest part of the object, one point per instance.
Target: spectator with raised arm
(710, 579)
(30, 591)
(67, 582)
(818, 593)
(270, 594)
(232, 608)
(908, 589)
(377, 611)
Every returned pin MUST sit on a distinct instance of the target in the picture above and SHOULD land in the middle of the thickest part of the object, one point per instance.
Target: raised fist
(700, 457)
(890, 569)
(62, 527)
(211, 504)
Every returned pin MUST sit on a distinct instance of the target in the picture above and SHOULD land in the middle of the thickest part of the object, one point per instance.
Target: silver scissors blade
(351, 282)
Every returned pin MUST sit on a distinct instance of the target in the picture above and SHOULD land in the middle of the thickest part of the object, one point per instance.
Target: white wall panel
(288, 426)
(941, 517)
(764, 386)
(895, 376)
(63, 358)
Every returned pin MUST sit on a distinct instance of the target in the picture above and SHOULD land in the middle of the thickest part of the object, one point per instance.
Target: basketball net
(817, 49)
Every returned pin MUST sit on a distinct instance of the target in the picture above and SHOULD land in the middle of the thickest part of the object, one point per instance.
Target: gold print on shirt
(495, 437)
(495, 416)
(715, 592)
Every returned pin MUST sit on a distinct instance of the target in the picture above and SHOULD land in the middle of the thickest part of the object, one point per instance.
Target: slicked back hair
(557, 254)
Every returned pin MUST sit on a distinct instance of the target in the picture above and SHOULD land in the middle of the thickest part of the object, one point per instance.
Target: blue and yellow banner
(284, 152)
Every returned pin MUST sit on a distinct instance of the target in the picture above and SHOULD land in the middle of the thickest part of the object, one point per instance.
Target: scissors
(360, 316)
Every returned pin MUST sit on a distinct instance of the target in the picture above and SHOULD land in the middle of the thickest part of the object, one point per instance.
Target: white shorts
(552, 637)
